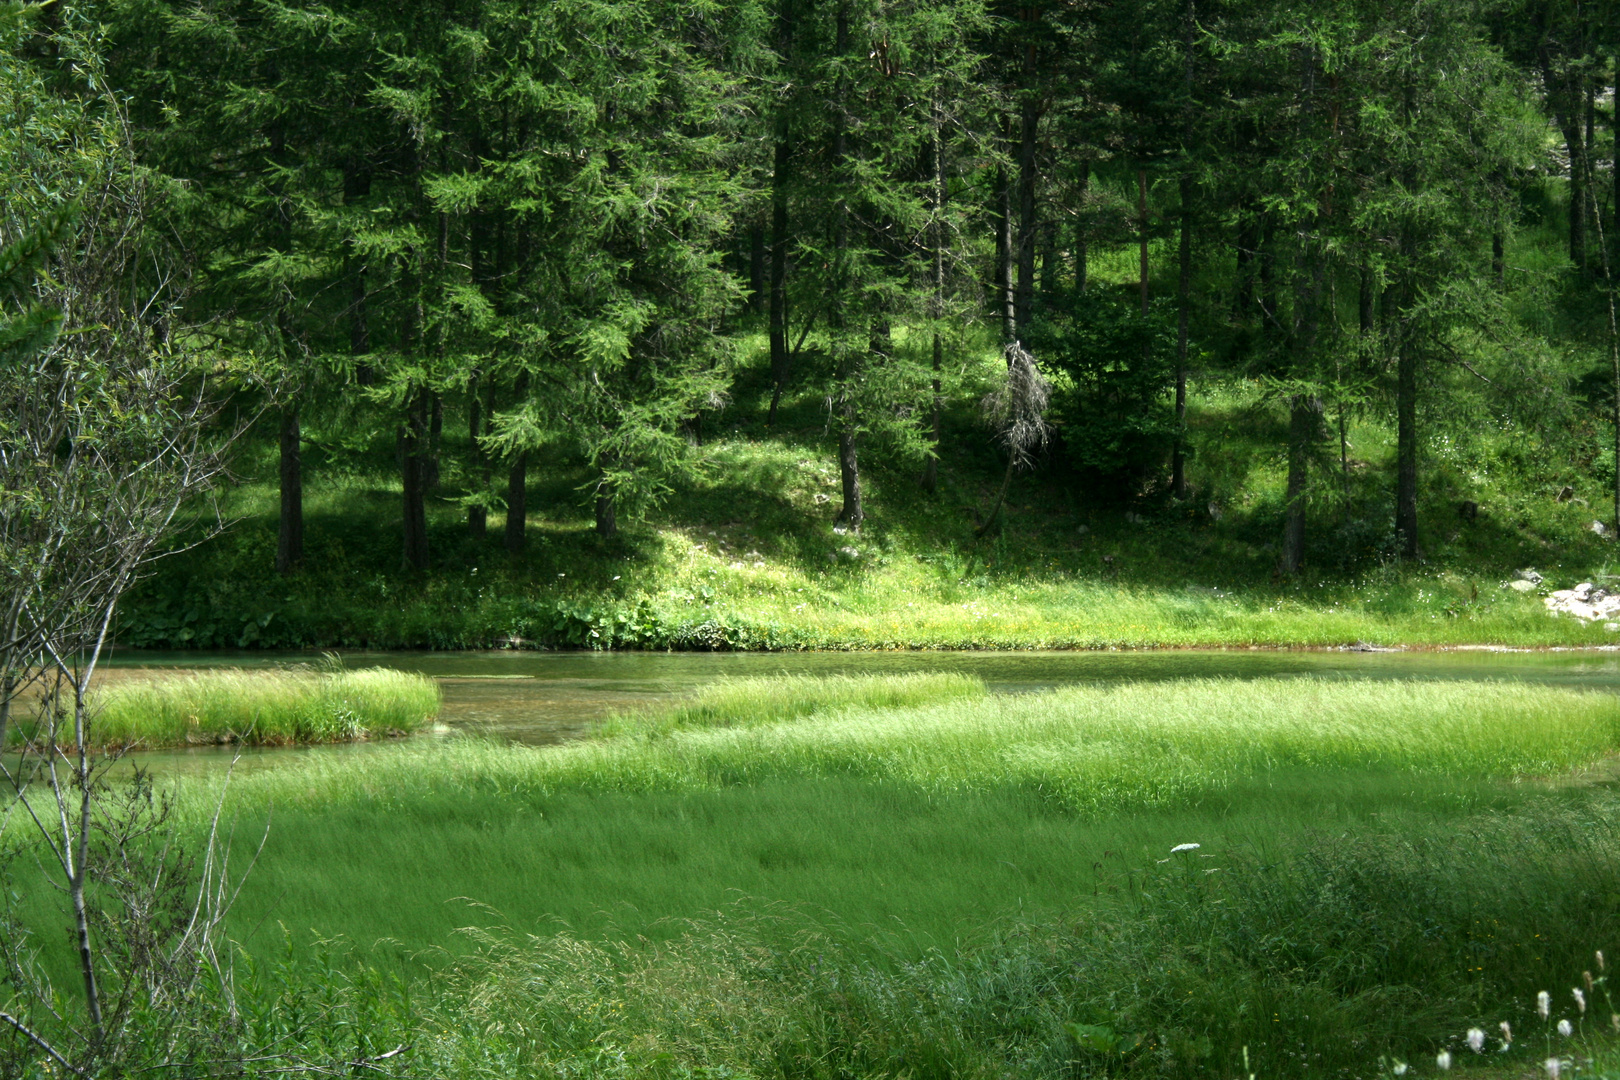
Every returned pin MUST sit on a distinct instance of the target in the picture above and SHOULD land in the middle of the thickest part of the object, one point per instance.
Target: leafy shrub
(1117, 366)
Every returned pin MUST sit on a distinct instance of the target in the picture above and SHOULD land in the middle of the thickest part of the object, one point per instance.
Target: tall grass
(263, 707)
(1088, 749)
(1311, 961)
(978, 885)
(754, 702)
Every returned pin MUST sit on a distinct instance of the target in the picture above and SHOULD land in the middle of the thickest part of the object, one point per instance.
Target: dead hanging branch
(1017, 411)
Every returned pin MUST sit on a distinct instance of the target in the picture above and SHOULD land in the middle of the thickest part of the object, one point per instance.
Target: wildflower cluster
(1557, 1063)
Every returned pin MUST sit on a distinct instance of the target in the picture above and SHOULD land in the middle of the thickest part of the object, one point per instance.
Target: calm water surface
(542, 698)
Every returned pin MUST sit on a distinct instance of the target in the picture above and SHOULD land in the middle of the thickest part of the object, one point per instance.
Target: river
(548, 697)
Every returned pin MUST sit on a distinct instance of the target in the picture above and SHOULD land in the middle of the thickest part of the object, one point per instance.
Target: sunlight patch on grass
(263, 707)
(1094, 750)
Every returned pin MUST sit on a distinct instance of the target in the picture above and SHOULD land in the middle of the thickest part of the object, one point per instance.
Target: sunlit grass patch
(752, 702)
(1090, 749)
(262, 707)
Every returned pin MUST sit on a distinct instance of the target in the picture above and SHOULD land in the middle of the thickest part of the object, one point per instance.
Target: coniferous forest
(1312, 289)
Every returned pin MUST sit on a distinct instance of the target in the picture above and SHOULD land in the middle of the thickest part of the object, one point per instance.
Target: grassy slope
(748, 558)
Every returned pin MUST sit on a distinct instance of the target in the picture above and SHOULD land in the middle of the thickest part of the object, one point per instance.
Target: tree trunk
(290, 533)
(1178, 460)
(607, 520)
(1082, 252)
(851, 514)
(8, 692)
(1564, 95)
(1247, 246)
(356, 187)
(517, 501)
(1050, 259)
(756, 267)
(1024, 298)
(1304, 415)
(413, 474)
(930, 477)
(1001, 499)
(81, 930)
(1266, 294)
(1577, 199)
(1498, 260)
(430, 466)
(1006, 305)
(1406, 448)
(1142, 230)
(1366, 303)
(1178, 457)
(781, 359)
(290, 537)
(478, 513)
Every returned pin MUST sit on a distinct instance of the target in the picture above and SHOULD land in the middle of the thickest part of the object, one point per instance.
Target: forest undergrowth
(746, 555)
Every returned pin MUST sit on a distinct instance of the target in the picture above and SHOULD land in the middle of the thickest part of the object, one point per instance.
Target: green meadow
(912, 876)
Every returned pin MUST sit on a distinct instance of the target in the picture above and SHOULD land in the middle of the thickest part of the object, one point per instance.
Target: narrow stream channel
(543, 698)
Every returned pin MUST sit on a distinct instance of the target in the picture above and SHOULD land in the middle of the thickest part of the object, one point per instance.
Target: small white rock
(1522, 586)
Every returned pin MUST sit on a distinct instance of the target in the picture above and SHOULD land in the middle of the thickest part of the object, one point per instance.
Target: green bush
(1116, 366)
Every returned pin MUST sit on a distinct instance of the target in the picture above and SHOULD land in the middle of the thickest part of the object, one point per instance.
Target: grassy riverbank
(257, 708)
(744, 553)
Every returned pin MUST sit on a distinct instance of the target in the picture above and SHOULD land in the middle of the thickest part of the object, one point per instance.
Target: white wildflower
(1185, 847)
(1600, 959)
(1507, 1034)
(1580, 998)
(1443, 1059)
(1565, 1028)
(1543, 1004)
(1554, 1066)
(1399, 1069)
(1476, 1040)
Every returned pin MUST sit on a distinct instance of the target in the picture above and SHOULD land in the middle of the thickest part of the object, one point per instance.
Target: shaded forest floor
(744, 553)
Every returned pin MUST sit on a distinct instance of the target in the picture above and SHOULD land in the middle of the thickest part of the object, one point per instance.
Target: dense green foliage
(533, 261)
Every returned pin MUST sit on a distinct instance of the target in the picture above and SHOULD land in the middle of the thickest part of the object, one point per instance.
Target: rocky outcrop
(1585, 602)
